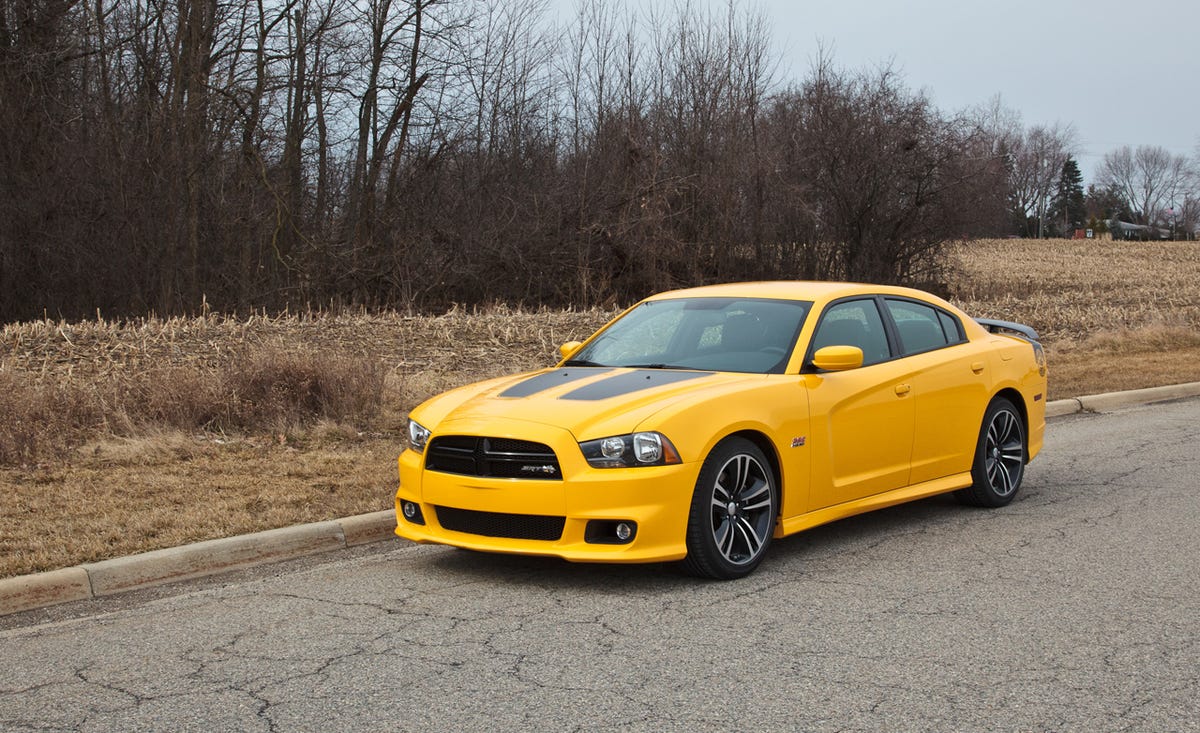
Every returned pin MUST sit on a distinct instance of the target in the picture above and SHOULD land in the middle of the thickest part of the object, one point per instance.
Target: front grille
(468, 455)
(495, 524)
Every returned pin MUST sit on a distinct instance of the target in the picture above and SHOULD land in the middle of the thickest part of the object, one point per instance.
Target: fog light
(412, 511)
(609, 532)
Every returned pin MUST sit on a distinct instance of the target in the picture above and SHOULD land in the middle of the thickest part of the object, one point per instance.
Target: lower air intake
(495, 524)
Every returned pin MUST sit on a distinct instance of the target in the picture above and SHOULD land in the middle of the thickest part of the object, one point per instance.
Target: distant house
(1125, 230)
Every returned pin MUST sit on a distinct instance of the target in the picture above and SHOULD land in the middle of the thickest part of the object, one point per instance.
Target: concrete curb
(92, 580)
(1114, 400)
(211, 556)
(1057, 408)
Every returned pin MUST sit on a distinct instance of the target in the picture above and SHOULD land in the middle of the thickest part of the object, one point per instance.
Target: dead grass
(256, 389)
(1112, 315)
(122, 496)
(126, 437)
(1074, 290)
(122, 437)
(65, 383)
(41, 418)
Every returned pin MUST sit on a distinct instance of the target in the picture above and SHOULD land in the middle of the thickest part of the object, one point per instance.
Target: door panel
(946, 374)
(863, 418)
(862, 435)
(950, 399)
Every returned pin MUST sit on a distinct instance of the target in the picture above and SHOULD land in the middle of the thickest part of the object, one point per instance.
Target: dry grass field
(123, 437)
(1112, 315)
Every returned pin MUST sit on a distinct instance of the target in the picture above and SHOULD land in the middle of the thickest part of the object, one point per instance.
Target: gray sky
(1089, 63)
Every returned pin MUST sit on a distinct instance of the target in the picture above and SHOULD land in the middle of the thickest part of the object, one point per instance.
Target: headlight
(637, 449)
(418, 436)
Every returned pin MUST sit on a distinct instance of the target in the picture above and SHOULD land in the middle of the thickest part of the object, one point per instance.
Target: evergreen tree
(1106, 203)
(1067, 208)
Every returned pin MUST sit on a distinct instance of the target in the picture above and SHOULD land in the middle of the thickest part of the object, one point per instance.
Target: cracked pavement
(1072, 609)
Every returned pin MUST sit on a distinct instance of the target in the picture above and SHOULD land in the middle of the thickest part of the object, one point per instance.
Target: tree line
(172, 156)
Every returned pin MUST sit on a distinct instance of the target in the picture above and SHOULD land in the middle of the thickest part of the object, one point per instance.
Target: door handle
(902, 389)
(977, 367)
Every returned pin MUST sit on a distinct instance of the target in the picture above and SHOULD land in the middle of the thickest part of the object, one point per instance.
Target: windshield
(714, 334)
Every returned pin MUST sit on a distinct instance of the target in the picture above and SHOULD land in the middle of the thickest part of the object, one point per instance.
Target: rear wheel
(999, 457)
(733, 512)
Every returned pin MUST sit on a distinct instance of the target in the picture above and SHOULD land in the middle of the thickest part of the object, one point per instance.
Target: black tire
(1000, 454)
(732, 516)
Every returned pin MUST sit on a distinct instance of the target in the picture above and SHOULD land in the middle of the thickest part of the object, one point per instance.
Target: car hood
(589, 402)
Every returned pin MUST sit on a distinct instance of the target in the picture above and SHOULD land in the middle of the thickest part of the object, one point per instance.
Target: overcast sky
(1124, 73)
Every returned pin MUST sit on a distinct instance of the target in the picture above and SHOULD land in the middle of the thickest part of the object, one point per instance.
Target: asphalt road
(1074, 609)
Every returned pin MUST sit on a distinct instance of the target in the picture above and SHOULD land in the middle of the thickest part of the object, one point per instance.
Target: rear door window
(921, 327)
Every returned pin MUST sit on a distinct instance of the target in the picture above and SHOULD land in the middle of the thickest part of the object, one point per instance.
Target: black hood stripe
(549, 380)
(623, 384)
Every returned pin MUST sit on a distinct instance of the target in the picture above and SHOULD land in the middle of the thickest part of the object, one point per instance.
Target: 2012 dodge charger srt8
(699, 424)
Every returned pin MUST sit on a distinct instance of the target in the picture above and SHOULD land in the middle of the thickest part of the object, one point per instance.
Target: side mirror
(838, 358)
(569, 348)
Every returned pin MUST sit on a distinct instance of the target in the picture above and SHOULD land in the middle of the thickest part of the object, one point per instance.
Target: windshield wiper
(653, 366)
(581, 362)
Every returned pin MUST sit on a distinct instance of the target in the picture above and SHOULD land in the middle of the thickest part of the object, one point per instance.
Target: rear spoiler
(1003, 326)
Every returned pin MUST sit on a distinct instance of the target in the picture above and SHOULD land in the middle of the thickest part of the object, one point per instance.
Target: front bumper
(656, 498)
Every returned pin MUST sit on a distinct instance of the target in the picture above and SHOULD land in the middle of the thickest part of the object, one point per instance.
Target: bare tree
(1037, 161)
(176, 155)
(886, 181)
(394, 73)
(1187, 201)
(1150, 178)
(999, 127)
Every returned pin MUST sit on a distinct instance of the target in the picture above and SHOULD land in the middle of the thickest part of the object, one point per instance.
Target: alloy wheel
(1004, 453)
(741, 511)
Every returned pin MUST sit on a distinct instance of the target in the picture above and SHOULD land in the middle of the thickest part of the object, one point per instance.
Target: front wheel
(733, 510)
(999, 457)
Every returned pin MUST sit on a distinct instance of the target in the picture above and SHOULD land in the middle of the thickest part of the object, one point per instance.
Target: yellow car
(699, 424)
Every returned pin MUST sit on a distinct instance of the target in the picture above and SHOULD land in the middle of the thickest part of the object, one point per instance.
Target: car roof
(809, 290)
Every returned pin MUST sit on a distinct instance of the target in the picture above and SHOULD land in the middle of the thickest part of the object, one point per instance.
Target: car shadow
(846, 535)
(875, 525)
(543, 572)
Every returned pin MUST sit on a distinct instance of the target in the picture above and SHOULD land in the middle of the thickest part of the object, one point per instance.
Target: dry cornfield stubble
(1112, 315)
(140, 424)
